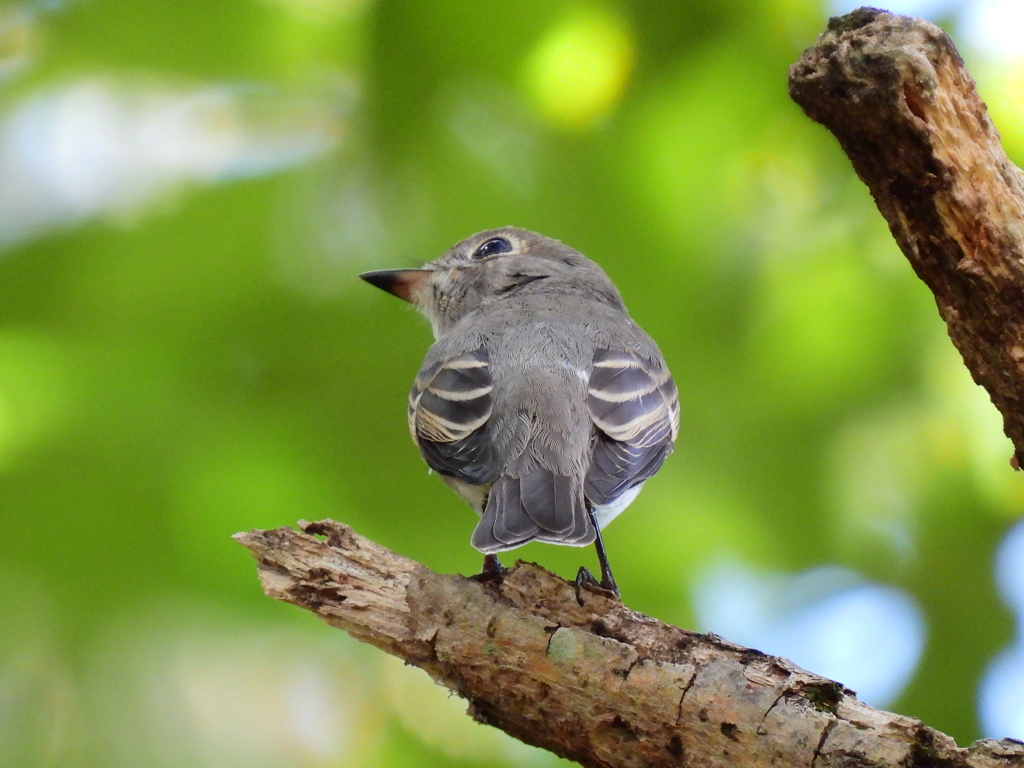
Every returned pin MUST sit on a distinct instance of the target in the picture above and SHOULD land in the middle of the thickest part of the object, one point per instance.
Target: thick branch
(595, 683)
(894, 91)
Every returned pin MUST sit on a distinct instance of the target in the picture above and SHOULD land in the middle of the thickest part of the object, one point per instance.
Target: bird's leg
(584, 576)
(493, 570)
(492, 566)
(607, 580)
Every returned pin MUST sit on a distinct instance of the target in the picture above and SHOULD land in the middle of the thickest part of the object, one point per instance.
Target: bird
(541, 402)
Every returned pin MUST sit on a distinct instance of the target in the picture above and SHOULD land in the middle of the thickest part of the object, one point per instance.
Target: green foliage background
(206, 362)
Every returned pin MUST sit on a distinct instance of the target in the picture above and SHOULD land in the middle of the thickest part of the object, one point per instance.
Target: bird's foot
(493, 570)
(585, 578)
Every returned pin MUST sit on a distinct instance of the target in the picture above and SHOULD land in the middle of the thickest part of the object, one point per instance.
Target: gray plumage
(540, 398)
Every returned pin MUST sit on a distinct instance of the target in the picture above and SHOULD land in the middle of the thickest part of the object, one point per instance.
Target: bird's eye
(492, 247)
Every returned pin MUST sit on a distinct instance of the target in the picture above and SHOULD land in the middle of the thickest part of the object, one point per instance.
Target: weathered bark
(596, 683)
(894, 92)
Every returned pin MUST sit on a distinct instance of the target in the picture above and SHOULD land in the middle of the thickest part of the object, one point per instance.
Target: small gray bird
(541, 403)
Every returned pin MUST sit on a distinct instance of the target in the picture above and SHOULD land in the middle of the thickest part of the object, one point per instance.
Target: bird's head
(494, 266)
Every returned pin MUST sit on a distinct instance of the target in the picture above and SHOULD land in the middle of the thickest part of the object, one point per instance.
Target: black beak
(406, 284)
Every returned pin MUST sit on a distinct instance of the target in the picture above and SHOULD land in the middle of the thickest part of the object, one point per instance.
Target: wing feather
(635, 406)
(449, 406)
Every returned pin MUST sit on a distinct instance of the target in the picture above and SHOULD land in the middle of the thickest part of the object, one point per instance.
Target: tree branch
(596, 683)
(894, 92)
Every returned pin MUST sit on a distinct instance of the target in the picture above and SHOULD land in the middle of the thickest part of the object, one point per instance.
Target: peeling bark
(894, 92)
(597, 683)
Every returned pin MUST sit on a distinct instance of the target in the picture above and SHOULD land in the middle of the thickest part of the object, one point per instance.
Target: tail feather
(542, 506)
(548, 499)
(511, 524)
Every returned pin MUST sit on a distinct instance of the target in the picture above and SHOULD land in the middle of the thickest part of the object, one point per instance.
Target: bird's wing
(449, 405)
(635, 406)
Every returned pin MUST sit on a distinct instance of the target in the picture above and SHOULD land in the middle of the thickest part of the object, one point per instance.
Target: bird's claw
(585, 578)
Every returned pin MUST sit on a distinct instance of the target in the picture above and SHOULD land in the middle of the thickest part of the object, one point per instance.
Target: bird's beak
(406, 284)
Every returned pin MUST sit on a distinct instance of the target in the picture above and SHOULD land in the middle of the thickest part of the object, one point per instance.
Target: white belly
(474, 495)
(605, 514)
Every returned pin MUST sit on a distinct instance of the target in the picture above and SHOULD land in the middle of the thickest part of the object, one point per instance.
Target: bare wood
(596, 683)
(894, 92)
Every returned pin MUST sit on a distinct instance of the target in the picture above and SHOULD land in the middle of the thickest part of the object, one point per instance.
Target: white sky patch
(993, 27)
(829, 620)
(102, 146)
(1001, 694)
